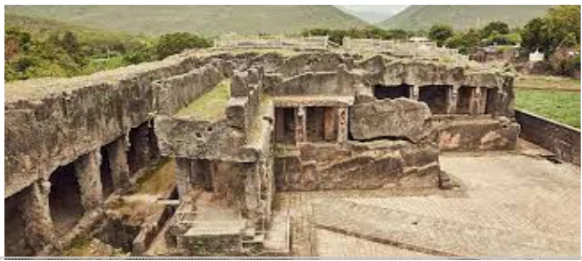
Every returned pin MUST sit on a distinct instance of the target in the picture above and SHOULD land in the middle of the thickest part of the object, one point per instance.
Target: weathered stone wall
(357, 165)
(464, 133)
(51, 123)
(178, 91)
(378, 70)
(334, 83)
(314, 62)
(400, 118)
(558, 138)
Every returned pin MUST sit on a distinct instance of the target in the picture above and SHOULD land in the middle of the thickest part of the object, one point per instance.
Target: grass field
(561, 106)
(546, 83)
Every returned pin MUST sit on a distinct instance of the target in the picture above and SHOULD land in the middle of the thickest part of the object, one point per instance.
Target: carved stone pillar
(183, 168)
(89, 178)
(300, 125)
(117, 152)
(342, 120)
(38, 226)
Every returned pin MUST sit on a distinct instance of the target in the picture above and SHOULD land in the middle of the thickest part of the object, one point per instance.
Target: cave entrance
(65, 199)
(143, 147)
(15, 243)
(464, 99)
(321, 125)
(436, 97)
(490, 100)
(202, 173)
(105, 171)
(392, 91)
(285, 125)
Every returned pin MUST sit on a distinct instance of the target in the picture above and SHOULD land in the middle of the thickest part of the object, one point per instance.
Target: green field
(561, 106)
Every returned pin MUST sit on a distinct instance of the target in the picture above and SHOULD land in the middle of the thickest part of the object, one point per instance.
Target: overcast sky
(373, 13)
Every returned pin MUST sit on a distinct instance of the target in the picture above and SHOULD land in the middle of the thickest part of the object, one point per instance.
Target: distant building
(419, 39)
(536, 56)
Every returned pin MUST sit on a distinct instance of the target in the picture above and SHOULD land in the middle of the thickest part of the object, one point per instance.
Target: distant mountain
(42, 28)
(207, 20)
(462, 16)
(372, 13)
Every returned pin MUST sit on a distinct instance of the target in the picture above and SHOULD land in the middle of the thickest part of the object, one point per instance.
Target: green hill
(206, 20)
(41, 29)
(462, 16)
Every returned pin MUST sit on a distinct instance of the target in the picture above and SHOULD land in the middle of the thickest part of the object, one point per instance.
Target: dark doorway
(105, 171)
(285, 125)
(321, 124)
(436, 97)
(491, 101)
(65, 199)
(392, 91)
(464, 99)
(15, 243)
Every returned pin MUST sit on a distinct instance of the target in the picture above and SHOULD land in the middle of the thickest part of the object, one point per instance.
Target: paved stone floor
(507, 204)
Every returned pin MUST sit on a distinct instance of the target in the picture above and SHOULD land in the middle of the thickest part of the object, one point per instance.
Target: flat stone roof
(310, 101)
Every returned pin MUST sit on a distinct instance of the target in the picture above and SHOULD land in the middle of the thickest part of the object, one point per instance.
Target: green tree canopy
(173, 43)
(560, 26)
(495, 26)
(440, 33)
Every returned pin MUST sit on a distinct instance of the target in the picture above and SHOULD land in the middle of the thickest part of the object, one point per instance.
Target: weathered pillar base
(38, 226)
(183, 167)
(88, 176)
(117, 152)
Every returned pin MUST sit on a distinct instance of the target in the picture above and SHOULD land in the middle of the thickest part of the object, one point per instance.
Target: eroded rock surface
(399, 118)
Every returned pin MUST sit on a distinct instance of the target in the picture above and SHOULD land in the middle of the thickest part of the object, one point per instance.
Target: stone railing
(311, 42)
(413, 49)
(558, 138)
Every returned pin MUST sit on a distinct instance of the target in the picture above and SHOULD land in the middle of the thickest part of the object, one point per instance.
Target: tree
(536, 35)
(560, 26)
(70, 43)
(440, 33)
(464, 41)
(495, 26)
(174, 43)
(564, 20)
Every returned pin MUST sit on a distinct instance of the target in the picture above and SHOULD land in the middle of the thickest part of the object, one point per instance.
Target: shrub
(174, 43)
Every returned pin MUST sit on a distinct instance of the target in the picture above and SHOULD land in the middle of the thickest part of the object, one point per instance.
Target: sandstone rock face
(358, 165)
(466, 134)
(399, 118)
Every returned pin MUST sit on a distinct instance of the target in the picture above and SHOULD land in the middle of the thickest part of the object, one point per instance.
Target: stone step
(277, 239)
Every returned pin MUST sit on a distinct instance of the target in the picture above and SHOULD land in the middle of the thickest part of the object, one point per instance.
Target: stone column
(414, 92)
(154, 150)
(38, 226)
(183, 167)
(89, 178)
(482, 99)
(342, 120)
(329, 123)
(117, 152)
(279, 124)
(139, 139)
(474, 102)
(300, 125)
(252, 188)
(452, 99)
